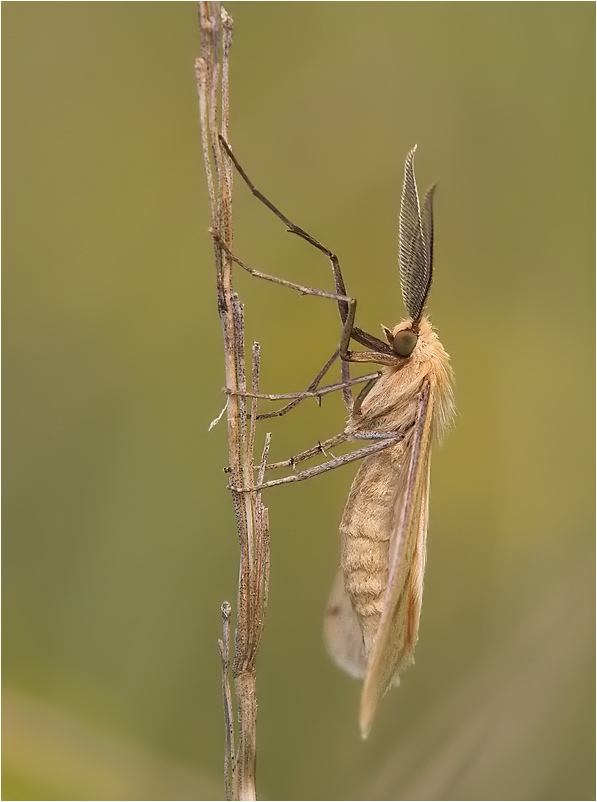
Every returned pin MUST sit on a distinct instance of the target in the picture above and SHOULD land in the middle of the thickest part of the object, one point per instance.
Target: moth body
(368, 526)
(372, 618)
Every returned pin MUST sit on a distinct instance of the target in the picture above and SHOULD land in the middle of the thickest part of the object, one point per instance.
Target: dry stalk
(251, 515)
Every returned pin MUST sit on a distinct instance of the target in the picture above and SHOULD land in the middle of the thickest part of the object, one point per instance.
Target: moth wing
(397, 632)
(342, 632)
(414, 595)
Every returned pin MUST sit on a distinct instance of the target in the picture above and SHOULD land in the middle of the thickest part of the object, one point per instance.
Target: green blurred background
(119, 540)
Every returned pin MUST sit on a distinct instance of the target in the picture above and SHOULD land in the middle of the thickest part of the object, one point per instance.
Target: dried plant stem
(227, 697)
(251, 516)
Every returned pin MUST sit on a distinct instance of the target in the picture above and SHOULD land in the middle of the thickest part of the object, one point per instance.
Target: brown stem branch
(224, 645)
(251, 516)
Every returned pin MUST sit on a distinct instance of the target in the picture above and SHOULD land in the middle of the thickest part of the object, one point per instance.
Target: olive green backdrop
(119, 540)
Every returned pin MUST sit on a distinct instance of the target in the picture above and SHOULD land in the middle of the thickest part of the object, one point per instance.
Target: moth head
(403, 338)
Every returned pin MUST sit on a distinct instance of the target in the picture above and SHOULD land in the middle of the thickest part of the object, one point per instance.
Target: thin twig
(254, 395)
(224, 645)
(212, 71)
(262, 532)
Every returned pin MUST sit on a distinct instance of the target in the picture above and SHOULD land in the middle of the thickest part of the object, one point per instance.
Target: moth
(372, 618)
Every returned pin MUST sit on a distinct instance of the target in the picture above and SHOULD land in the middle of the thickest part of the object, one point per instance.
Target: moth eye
(404, 342)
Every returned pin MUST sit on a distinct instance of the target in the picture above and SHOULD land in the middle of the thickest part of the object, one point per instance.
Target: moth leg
(294, 229)
(259, 274)
(346, 357)
(347, 329)
(347, 333)
(311, 388)
(320, 448)
(368, 340)
(356, 409)
(317, 393)
(390, 360)
(376, 435)
(326, 466)
(344, 386)
(384, 440)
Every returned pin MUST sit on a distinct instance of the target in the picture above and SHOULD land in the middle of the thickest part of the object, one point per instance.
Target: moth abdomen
(365, 531)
